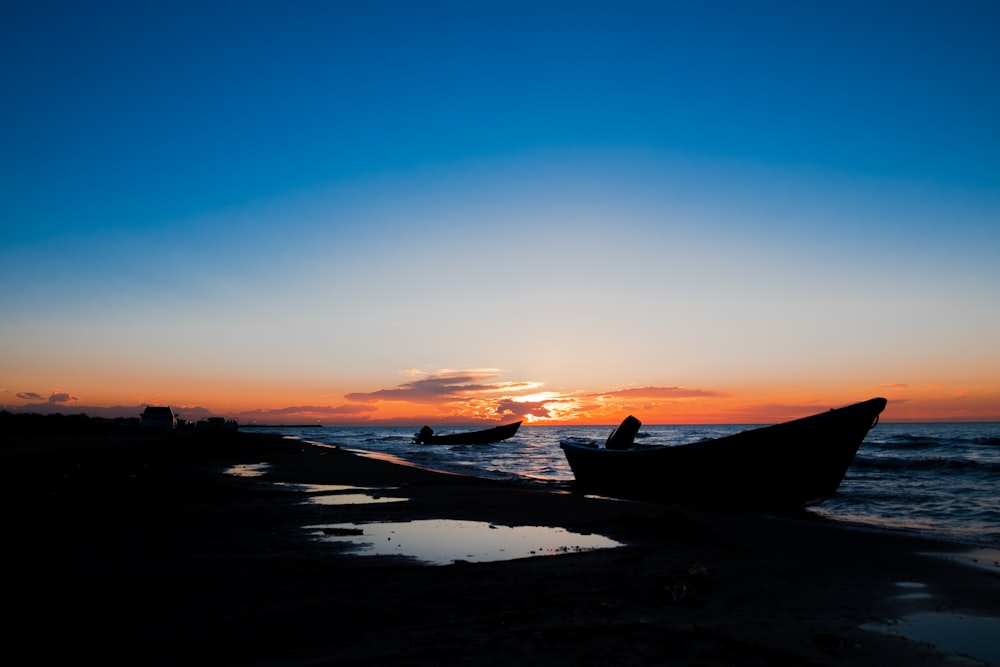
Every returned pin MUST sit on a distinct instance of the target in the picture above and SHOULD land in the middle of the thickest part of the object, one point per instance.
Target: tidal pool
(323, 488)
(983, 558)
(351, 499)
(341, 494)
(248, 470)
(968, 636)
(444, 541)
(915, 590)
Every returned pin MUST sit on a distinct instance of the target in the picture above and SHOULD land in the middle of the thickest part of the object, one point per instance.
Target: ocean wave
(926, 463)
(391, 438)
(585, 442)
(917, 441)
(897, 442)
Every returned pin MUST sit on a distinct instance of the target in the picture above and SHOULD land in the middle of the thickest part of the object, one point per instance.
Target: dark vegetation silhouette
(59, 425)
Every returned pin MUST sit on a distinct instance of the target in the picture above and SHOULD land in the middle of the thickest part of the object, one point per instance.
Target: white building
(156, 418)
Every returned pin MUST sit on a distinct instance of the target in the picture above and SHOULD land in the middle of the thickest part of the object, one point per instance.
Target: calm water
(934, 479)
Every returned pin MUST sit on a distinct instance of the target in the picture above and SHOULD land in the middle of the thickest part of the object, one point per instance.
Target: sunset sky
(445, 212)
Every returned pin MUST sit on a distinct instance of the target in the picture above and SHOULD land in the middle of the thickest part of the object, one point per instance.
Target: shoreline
(146, 547)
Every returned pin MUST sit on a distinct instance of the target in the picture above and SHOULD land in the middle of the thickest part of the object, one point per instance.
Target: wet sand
(145, 551)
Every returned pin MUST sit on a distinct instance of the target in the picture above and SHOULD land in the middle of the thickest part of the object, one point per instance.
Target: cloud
(664, 392)
(548, 408)
(444, 385)
(311, 411)
(478, 394)
(56, 398)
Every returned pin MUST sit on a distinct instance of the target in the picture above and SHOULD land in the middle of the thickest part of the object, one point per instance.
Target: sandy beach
(147, 551)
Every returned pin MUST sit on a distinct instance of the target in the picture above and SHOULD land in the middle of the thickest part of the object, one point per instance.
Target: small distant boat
(785, 466)
(496, 434)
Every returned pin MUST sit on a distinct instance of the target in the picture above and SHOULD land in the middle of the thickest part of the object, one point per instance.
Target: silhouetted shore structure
(203, 550)
(17, 424)
(157, 418)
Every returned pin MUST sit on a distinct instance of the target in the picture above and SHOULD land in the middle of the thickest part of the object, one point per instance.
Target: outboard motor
(623, 437)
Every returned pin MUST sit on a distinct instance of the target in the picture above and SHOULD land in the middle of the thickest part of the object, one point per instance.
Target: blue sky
(317, 199)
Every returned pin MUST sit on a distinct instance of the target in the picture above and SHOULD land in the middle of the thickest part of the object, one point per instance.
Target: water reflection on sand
(341, 494)
(964, 635)
(444, 541)
(248, 470)
(351, 499)
(972, 637)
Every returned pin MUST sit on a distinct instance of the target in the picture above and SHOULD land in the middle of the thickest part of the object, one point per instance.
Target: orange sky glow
(481, 396)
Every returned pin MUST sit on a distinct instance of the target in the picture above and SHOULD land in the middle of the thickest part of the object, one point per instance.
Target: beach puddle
(983, 559)
(322, 488)
(351, 499)
(248, 470)
(915, 590)
(331, 488)
(972, 637)
(341, 494)
(445, 541)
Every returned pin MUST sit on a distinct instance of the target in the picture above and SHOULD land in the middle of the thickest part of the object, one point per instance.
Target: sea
(939, 480)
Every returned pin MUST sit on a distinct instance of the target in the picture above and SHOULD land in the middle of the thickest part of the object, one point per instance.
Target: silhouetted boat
(496, 434)
(785, 466)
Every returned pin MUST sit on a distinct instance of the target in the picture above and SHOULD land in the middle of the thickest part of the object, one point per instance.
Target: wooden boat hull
(487, 436)
(788, 465)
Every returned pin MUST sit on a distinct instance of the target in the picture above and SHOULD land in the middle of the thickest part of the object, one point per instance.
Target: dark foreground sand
(124, 550)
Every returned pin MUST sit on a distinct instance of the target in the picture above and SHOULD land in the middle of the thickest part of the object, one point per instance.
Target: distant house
(156, 418)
